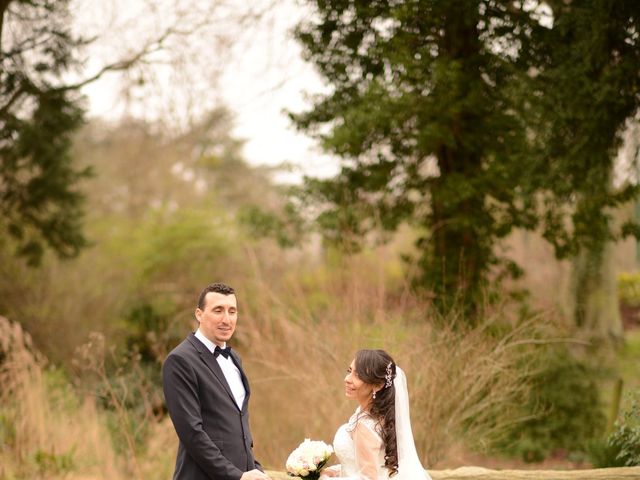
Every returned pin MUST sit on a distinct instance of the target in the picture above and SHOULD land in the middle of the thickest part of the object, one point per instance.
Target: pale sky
(269, 79)
(258, 75)
(262, 75)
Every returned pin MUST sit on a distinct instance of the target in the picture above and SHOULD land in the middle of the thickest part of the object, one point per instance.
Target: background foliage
(479, 142)
(470, 119)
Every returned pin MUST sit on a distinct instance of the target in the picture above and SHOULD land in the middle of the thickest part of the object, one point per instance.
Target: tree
(142, 168)
(435, 107)
(588, 87)
(38, 200)
(42, 73)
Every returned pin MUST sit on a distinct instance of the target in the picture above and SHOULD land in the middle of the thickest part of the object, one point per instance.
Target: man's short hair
(217, 288)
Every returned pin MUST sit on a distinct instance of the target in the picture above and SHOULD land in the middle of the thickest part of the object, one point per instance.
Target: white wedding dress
(360, 450)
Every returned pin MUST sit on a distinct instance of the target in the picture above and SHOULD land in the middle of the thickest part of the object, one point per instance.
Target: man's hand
(254, 475)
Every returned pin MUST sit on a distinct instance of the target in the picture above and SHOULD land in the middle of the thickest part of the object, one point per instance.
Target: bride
(377, 442)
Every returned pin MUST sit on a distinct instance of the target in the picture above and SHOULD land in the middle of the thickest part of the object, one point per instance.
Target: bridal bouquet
(308, 459)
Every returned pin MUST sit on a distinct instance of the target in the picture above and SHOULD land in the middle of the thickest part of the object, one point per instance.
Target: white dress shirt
(229, 369)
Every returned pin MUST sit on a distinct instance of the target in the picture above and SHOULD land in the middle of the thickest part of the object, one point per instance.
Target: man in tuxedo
(207, 395)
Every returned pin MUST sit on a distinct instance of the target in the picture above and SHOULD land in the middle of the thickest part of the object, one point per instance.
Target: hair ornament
(388, 378)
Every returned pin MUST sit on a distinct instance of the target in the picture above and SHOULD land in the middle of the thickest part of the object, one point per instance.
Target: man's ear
(198, 314)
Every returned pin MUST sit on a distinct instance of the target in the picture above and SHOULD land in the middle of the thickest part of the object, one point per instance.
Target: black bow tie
(222, 351)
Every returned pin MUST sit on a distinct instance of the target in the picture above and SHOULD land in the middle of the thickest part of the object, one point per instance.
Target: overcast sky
(262, 77)
(256, 70)
(269, 79)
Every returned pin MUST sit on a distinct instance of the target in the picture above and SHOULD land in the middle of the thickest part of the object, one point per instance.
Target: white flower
(309, 457)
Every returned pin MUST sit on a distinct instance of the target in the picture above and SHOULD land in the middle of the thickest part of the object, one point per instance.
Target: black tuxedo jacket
(214, 434)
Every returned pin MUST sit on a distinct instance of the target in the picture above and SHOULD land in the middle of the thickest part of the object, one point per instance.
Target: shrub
(563, 411)
(625, 438)
(128, 390)
(52, 463)
(151, 331)
(629, 289)
(622, 447)
(603, 454)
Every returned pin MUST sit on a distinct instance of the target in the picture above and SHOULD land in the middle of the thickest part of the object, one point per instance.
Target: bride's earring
(374, 394)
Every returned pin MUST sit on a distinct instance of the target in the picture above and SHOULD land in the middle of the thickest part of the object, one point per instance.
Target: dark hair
(217, 288)
(376, 367)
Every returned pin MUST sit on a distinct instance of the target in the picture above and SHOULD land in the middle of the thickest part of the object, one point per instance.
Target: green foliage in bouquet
(308, 460)
(312, 475)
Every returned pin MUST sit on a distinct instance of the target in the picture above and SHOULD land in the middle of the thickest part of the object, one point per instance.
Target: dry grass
(44, 434)
(49, 432)
(300, 335)
(299, 329)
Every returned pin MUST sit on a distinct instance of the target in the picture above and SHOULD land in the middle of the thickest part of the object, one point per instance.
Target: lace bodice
(360, 450)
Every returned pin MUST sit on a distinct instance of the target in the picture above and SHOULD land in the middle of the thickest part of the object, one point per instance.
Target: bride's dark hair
(376, 367)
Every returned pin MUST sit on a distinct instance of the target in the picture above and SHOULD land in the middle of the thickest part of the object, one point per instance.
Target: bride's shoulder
(361, 417)
(353, 419)
(359, 414)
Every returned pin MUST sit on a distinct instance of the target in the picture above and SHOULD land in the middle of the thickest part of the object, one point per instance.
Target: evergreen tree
(587, 87)
(39, 201)
(443, 111)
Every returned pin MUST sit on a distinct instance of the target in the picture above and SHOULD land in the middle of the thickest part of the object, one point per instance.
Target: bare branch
(16, 95)
(152, 46)
(4, 4)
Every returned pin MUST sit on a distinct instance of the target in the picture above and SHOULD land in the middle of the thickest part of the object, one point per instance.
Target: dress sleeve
(367, 444)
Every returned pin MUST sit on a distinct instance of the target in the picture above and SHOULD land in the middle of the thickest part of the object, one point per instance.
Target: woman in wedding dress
(377, 441)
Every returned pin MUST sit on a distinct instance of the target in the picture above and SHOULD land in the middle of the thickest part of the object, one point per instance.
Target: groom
(207, 395)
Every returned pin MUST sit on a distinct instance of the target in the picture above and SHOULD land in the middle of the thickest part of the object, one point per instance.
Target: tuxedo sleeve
(181, 395)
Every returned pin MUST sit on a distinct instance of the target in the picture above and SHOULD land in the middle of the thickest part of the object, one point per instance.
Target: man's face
(218, 318)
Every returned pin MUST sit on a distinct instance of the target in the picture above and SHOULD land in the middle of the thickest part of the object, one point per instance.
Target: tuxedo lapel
(210, 360)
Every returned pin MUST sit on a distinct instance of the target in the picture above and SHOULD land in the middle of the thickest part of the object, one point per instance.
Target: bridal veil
(409, 466)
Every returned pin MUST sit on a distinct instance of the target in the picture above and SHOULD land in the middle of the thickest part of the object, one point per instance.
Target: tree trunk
(4, 4)
(459, 262)
(595, 298)
(460, 226)
(595, 308)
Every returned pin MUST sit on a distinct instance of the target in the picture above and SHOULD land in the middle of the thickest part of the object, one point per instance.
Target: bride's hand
(329, 472)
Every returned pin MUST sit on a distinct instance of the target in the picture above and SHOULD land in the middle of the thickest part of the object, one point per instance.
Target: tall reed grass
(299, 333)
(50, 429)
(45, 429)
(298, 330)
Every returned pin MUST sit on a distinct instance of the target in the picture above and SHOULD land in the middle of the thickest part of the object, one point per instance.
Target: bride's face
(355, 388)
